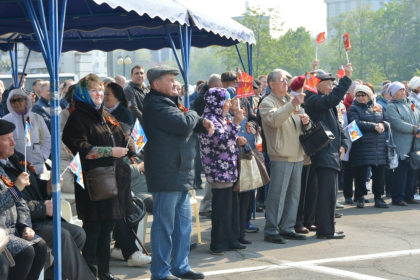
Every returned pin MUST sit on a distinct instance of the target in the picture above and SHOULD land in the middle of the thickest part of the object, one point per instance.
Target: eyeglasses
(360, 95)
(16, 100)
(284, 81)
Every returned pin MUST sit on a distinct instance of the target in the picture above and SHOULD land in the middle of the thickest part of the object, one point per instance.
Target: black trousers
(124, 238)
(308, 197)
(327, 197)
(224, 219)
(4, 267)
(98, 244)
(378, 180)
(245, 200)
(348, 179)
(29, 263)
(72, 240)
(389, 177)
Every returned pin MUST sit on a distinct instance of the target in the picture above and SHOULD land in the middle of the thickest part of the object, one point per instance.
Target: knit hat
(353, 86)
(297, 83)
(384, 90)
(365, 89)
(394, 87)
(414, 83)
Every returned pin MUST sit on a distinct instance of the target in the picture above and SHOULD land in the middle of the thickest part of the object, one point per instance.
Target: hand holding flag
(311, 82)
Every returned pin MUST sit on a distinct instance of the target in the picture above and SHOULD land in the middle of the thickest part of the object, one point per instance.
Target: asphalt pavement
(379, 244)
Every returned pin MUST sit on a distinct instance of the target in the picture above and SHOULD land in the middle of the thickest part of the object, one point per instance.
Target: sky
(310, 14)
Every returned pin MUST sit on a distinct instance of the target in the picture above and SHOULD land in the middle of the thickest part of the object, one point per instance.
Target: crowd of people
(96, 120)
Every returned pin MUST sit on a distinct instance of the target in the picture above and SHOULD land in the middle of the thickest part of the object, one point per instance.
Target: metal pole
(240, 57)
(171, 42)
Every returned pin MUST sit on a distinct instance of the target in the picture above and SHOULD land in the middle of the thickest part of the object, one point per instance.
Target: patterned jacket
(219, 152)
(16, 212)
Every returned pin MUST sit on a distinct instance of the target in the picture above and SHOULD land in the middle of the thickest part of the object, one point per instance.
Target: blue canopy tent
(85, 25)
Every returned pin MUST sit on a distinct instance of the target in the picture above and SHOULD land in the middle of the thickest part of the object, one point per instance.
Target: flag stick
(128, 142)
(25, 160)
(347, 58)
(316, 57)
(64, 171)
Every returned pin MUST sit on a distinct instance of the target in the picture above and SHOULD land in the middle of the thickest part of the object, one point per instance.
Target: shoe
(217, 252)
(138, 259)
(311, 228)
(349, 200)
(116, 253)
(366, 200)
(303, 230)
(412, 201)
(417, 196)
(105, 276)
(361, 202)
(170, 277)
(380, 203)
(338, 215)
(261, 205)
(237, 248)
(243, 240)
(193, 246)
(338, 205)
(250, 228)
(192, 275)
(259, 209)
(339, 232)
(368, 186)
(275, 238)
(293, 236)
(401, 203)
(330, 236)
(204, 213)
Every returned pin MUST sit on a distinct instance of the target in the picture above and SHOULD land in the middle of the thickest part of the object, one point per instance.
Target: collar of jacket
(355, 102)
(84, 107)
(158, 93)
(45, 101)
(136, 86)
(288, 98)
(404, 100)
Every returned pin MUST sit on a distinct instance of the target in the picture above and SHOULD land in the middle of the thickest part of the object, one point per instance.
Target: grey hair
(108, 80)
(119, 78)
(44, 84)
(214, 79)
(273, 76)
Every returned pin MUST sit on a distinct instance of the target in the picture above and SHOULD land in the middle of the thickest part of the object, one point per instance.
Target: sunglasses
(16, 100)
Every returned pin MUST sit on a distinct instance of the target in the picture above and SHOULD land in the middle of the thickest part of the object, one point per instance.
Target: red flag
(311, 82)
(341, 72)
(321, 38)
(346, 39)
(245, 84)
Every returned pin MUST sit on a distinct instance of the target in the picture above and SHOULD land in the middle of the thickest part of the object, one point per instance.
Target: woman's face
(110, 100)
(96, 93)
(226, 107)
(400, 94)
(362, 97)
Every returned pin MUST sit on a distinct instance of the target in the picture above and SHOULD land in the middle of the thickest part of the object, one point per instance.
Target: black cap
(325, 77)
(6, 127)
(228, 76)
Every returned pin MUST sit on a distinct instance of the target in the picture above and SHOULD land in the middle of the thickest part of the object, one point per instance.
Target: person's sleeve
(172, 120)
(199, 128)
(4, 102)
(23, 216)
(344, 140)
(46, 146)
(252, 119)
(397, 123)
(75, 138)
(353, 115)
(9, 197)
(319, 104)
(131, 97)
(134, 171)
(223, 136)
(275, 117)
(386, 120)
(37, 208)
(39, 111)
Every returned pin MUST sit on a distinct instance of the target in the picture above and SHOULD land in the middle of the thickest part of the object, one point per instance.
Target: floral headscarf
(81, 93)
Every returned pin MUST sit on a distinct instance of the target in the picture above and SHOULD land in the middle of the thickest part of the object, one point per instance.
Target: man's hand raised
(348, 70)
(298, 99)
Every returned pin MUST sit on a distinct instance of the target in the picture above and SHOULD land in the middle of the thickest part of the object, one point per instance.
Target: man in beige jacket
(282, 119)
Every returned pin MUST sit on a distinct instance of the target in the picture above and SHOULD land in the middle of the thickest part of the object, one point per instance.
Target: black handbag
(315, 138)
(134, 219)
(414, 157)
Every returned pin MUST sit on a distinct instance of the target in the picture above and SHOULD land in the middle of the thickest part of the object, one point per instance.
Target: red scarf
(348, 101)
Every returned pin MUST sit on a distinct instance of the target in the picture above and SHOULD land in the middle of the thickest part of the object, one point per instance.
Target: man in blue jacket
(326, 162)
(169, 161)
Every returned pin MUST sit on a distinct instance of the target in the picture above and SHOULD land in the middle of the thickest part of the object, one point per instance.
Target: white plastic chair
(194, 205)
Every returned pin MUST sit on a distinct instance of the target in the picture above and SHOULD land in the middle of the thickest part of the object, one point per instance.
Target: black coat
(122, 114)
(35, 194)
(320, 107)
(199, 103)
(135, 96)
(85, 129)
(170, 149)
(370, 149)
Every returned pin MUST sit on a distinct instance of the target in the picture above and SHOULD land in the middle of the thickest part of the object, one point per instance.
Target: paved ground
(379, 244)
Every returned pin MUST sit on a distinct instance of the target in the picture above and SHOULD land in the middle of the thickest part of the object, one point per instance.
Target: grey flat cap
(159, 71)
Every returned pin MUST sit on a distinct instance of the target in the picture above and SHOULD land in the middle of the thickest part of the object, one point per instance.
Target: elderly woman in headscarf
(405, 120)
(116, 103)
(98, 138)
(369, 150)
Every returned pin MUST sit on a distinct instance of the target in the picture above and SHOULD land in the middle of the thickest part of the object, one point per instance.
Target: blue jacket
(370, 149)
(381, 100)
(170, 149)
(42, 108)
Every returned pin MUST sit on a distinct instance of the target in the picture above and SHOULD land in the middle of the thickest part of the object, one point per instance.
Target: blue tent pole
(187, 47)
(12, 62)
(240, 57)
(171, 42)
(55, 133)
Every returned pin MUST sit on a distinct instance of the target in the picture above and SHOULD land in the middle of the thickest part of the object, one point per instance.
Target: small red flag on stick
(245, 86)
(341, 72)
(311, 82)
(321, 38)
(347, 46)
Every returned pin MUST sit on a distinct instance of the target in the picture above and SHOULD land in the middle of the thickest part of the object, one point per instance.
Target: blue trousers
(170, 234)
(403, 182)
